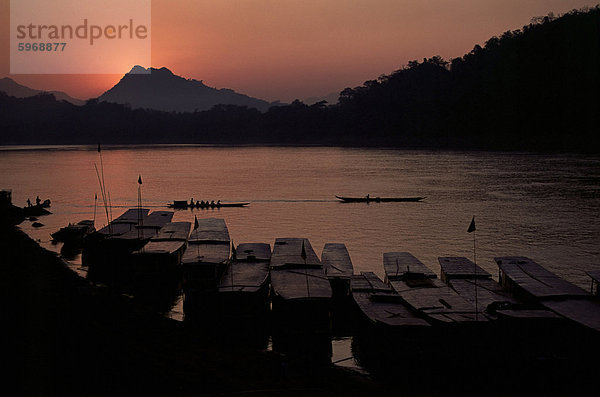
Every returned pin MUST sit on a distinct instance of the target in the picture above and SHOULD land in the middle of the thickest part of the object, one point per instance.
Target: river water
(546, 207)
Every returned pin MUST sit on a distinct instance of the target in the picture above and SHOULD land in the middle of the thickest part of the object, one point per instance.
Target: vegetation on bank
(531, 89)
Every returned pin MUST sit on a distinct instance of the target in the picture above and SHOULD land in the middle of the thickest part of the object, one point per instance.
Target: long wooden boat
(209, 250)
(184, 204)
(532, 282)
(164, 251)
(107, 252)
(381, 306)
(476, 286)
(369, 199)
(425, 294)
(74, 233)
(338, 268)
(244, 288)
(300, 289)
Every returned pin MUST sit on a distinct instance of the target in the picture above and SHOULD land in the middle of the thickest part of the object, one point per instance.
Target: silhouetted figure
(28, 203)
(197, 203)
(218, 203)
(37, 200)
(367, 197)
(212, 203)
(202, 203)
(192, 202)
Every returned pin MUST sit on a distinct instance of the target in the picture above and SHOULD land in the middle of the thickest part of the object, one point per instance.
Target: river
(546, 207)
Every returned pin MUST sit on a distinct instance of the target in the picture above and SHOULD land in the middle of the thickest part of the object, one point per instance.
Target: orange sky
(287, 49)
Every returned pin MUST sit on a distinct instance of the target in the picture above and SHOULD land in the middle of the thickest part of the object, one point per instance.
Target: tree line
(536, 88)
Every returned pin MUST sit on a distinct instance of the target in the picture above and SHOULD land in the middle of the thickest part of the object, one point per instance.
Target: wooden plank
(488, 291)
(388, 313)
(534, 279)
(157, 219)
(287, 252)
(210, 230)
(162, 247)
(173, 231)
(528, 314)
(460, 267)
(300, 284)
(336, 261)
(380, 305)
(206, 254)
(401, 265)
(368, 282)
(242, 276)
(117, 229)
(132, 215)
(584, 311)
(260, 252)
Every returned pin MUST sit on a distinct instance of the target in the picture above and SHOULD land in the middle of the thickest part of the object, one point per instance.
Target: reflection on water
(546, 207)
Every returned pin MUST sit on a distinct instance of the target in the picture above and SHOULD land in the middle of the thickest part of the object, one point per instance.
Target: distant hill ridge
(534, 89)
(12, 88)
(160, 89)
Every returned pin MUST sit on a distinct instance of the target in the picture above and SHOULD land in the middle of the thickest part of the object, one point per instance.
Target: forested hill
(533, 89)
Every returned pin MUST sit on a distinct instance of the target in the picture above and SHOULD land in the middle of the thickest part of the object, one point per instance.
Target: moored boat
(107, 252)
(301, 291)
(207, 254)
(533, 283)
(244, 289)
(381, 306)
(420, 288)
(338, 268)
(476, 286)
(162, 254)
(74, 233)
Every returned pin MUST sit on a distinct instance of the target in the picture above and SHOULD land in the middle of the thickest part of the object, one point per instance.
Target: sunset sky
(287, 49)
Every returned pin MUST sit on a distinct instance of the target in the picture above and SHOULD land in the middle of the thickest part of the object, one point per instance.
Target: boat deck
(210, 230)
(249, 272)
(526, 277)
(336, 261)
(260, 252)
(522, 273)
(460, 267)
(287, 252)
(403, 265)
(380, 304)
(300, 284)
(173, 231)
(426, 294)
(292, 276)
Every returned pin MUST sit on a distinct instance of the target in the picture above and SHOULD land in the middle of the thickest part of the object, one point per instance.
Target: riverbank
(68, 337)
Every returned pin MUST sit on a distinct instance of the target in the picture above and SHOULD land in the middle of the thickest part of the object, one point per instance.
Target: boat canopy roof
(536, 280)
(402, 265)
(336, 261)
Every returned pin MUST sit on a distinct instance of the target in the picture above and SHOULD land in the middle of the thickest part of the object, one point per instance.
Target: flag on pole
(472, 226)
(140, 180)
(195, 222)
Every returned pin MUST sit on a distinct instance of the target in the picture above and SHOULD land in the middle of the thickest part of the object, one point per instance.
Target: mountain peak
(161, 89)
(137, 69)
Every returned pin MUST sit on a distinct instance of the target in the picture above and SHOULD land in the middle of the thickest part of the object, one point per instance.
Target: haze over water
(546, 207)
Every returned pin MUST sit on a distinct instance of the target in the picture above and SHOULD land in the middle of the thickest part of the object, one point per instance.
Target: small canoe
(369, 199)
